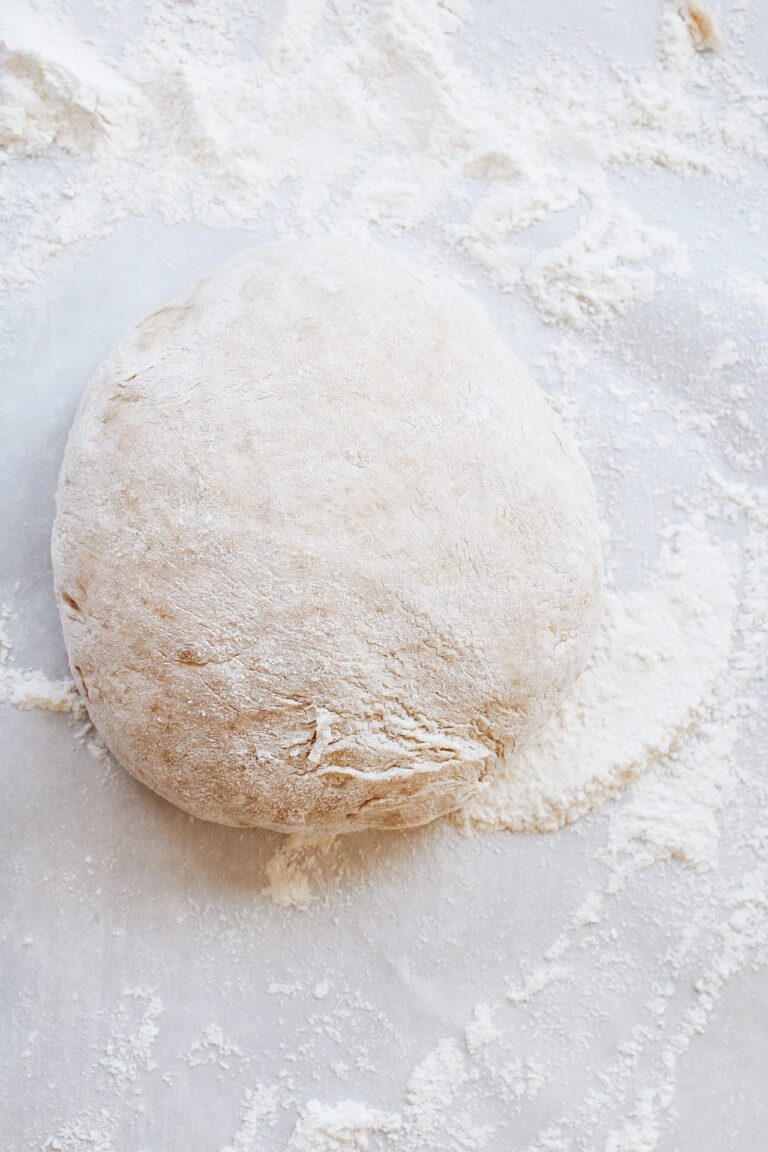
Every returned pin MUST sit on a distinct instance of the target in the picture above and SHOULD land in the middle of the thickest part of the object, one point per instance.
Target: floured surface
(595, 988)
(649, 688)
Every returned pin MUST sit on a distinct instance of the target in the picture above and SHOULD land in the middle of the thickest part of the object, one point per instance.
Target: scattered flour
(432, 1087)
(741, 941)
(55, 91)
(750, 289)
(213, 1049)
(344, 1127)
(368, 116)
(290, 870)
(27, 690)
(649, 687)
(481, 1030)
(258, 1109)
(32, 689)
(91, 1131)
(674, 811)
(129, 1051)
(609, 265)
(537, 981)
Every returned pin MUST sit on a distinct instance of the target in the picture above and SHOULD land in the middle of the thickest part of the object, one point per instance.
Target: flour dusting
(258, 1110)
(291, 868)
(344, 1127)
(650, 685)
(32, 688)
(129, 1051)
(372, 118)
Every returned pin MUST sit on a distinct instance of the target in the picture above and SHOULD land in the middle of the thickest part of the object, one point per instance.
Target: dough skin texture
(322, 550)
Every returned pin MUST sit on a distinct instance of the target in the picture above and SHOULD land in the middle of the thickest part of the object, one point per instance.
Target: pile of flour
(651, 685)
(32, 689)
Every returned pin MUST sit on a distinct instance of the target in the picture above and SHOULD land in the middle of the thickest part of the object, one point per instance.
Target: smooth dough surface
(322, 551)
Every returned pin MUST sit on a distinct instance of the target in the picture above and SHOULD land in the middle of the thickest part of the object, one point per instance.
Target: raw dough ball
(322, 550)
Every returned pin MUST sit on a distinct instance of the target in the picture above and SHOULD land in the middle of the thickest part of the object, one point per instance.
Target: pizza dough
(322, 551)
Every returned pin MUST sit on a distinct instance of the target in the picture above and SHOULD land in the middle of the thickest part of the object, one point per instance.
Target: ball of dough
(323, 552)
